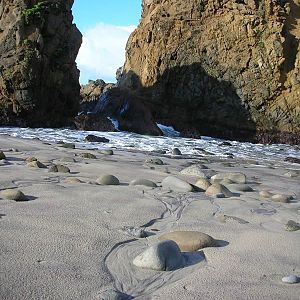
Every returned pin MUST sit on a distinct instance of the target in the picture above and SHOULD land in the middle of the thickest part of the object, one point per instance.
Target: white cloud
(102, 51)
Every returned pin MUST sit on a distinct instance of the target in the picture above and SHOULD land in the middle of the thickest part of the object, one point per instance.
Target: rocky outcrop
(39, 80)
(228, 68)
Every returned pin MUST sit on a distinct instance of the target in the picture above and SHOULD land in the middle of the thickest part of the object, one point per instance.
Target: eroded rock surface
(223, 68)
(39, 80)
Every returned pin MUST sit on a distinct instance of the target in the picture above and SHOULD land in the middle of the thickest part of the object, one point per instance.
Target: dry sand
(67, 242)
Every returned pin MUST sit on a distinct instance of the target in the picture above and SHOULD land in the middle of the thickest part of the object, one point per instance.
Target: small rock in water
(108, 180)
(217, 190)
(36, 164)
(30, 159)
(59, 168)
(189, 240)
(265, 194)
(154, 161)
(292, 226)
(225, 144)
(163, 256)
(87, 155)
(144, 182)
(107, 152)
(235, 177)
(11, 194)
(280, 198)
(2, 155)
(177, 185)
(290, 279)
(294, 160)
(176, 151)
(68, 145)
(203, 184)
(135, 231)
(96, 139)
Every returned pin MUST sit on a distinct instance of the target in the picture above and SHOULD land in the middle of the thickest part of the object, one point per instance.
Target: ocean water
(127, 140)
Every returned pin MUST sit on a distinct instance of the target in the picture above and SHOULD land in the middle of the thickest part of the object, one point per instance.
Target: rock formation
(228, 68)
(39, 80)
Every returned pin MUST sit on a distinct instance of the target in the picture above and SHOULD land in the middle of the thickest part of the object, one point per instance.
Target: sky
(105, 26)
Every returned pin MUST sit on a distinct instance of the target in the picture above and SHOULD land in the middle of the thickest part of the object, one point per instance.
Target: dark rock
(225, 144)
(96, 139)
(294, 160)
(94, 122)
(68, 145)
(39, 80)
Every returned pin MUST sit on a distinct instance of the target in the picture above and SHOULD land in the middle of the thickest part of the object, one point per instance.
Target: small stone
(87, 155)
(108, 180)
(154, 161)
(292, 173)
(217, 190)
(30, 159)
(144, 182)
(68, 145)
(177, 185)
(2, 155)
(291, 279)
(135, 231)
(36, 164)
(72, 180)
(163, 256)
(294, 160)
(235, 177)
(281, 198)
(265, 194)
(59, 168)
(107, 152)
(292, 226)
(11, 194)
(194, 170)
(203, 184)
(96, 139)
(176, 151)
(189, 240)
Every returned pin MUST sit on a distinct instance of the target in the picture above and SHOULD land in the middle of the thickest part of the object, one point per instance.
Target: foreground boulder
(177, 185)
(189, 240)
(163, 256)
(39, 80)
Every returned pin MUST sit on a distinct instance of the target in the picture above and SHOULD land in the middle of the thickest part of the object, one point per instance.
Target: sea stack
(227, 69)
(39, 80)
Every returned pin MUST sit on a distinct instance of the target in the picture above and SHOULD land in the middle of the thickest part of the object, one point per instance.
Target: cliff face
(39, 80)
(226, 68)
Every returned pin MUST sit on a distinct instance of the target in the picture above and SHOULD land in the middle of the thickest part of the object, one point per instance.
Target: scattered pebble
(59, 168)
(189, 240)
(96, 139)
(280, 198)
(163, 256)
(235, 177)
(36, 164)
(12, 194)
(176, 151)
(107, 152)
(218, 190)
(203, 184)
(292, 226)
(87, 155)
(144, 182)
(223, 218)
(108, 180)
(177, 185)
(265, 194)
(154, 161)
(290, 279)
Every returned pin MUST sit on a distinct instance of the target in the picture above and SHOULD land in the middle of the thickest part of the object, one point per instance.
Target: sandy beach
(76, 237)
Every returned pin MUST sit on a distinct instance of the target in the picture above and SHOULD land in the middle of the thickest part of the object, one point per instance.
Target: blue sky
(106, 26)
